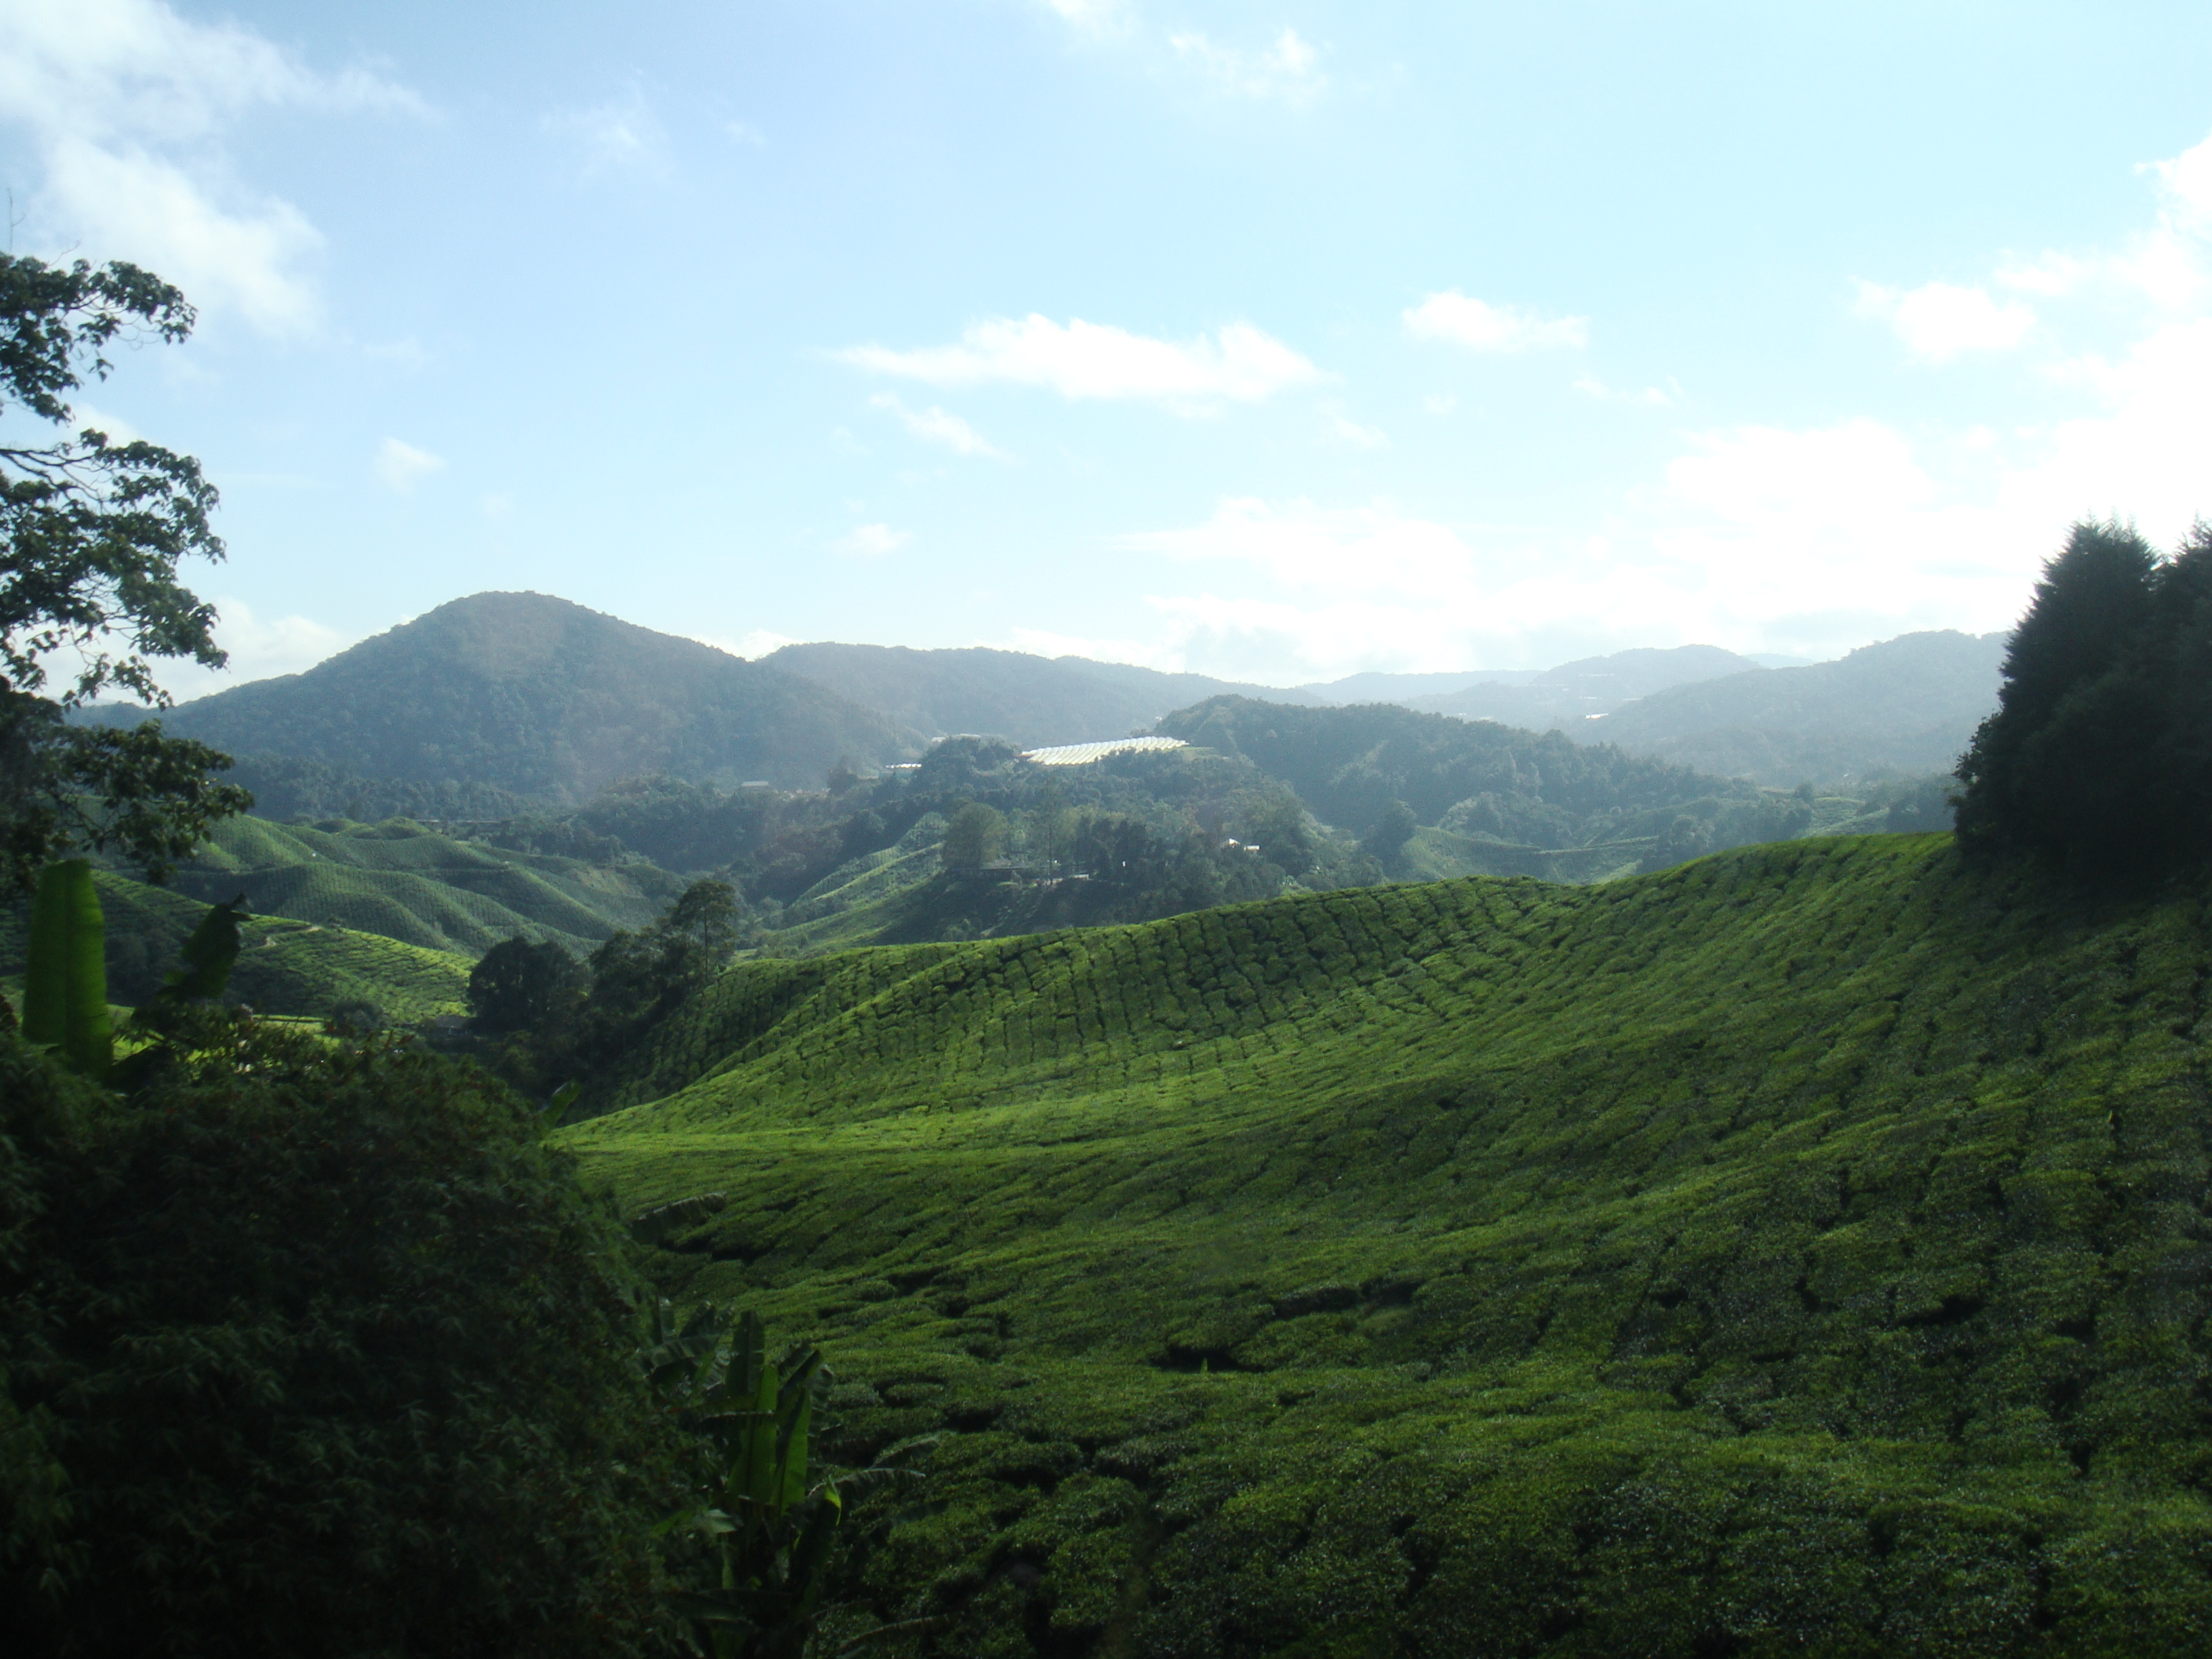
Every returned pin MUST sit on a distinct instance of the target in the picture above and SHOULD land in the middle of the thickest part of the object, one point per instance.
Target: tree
(973, 836)
(1395, 827)
(315, 1348)
(2097, 756)
(523, 985)
(91, 533)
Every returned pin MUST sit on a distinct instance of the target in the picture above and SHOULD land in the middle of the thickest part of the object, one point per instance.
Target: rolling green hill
(529, 694)
(286, 967)
(1802, 1250)
(411, 884)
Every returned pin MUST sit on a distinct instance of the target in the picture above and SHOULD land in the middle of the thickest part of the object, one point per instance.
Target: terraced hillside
(1801, 1250)
(411, 883)
(287, 966)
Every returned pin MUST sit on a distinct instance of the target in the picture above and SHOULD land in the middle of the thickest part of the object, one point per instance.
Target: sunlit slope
(285, 966)
(1801, 1250)
(411, 883)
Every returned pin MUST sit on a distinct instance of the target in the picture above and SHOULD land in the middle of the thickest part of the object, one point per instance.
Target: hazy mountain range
(531, 695)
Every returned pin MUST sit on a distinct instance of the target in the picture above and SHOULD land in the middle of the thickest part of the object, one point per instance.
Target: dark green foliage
(315, 1349)
(66, 976)
(1797, 1251)
(543, 699)
(91, 532)
(1387, 837)
(773, 1508)
(2097, 756)
(973, 835)
(521, 985)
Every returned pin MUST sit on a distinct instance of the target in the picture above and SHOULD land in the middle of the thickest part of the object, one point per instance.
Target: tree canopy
(2099, 757)
(91, 534)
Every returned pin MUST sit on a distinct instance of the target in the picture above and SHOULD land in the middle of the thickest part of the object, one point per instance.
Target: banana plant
(772, 1507)
(65, 980)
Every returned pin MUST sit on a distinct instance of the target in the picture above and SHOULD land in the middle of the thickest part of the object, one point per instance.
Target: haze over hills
(1907, 705)
(530, 694)
(1593, 685)
(1028, 701)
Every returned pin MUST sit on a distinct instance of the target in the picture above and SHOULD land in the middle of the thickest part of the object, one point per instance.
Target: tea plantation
(1802, 1250)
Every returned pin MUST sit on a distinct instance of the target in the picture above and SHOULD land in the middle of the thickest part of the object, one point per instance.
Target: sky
(1277, 341)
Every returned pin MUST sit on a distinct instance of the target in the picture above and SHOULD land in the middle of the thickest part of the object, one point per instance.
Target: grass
(1800, 1250)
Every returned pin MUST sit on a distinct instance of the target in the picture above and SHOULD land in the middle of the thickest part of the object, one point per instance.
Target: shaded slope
(1798, 1251)
(1029, 702)
(529, 693)
(1909, 704)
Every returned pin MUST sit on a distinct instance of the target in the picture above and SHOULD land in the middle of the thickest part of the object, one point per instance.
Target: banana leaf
(65, 980)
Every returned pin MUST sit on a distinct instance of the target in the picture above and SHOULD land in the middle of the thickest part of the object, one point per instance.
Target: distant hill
(1347, 764)
(530, 694)
(1574, 691)
(1797, 1253)
(1030, 701)
(1906, 705)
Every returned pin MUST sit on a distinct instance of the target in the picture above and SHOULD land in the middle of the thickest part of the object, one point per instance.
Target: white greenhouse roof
(1082, 753)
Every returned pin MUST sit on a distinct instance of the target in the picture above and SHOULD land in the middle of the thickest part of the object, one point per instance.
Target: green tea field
(1802, 1250)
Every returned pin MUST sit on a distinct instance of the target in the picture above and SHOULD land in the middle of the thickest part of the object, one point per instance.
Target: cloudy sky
(1273, 340)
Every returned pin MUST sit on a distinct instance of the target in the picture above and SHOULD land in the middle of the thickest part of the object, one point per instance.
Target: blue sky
(1275, 341)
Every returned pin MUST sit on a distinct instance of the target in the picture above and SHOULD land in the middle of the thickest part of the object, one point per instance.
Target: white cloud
(746, 133)
(400, 466)
(874, 540)
(1091, 17)
(939, 427)
(1345, 433)
(259, 648)
(1939, 320)
(1480, 326)
(1089, 360)
(620, 136)
(1289, 71)
(1652, 396)
(126, 103)
(1441, 403)
(755, 643)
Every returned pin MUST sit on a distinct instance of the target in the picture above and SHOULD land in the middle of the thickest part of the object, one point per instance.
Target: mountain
(1909, 704)
(1593, 685)
(1029, 702)
(1801, 1251)
(530, 694)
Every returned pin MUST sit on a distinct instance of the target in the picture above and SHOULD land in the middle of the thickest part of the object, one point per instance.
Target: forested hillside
(1789, 1252)
(530, 694)
(1593, 685)
(1027, 701)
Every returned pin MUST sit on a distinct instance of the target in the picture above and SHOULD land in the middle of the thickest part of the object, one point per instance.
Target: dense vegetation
(2099, 758)
(1795, 1251)
(313, 1350)
(541, 698)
